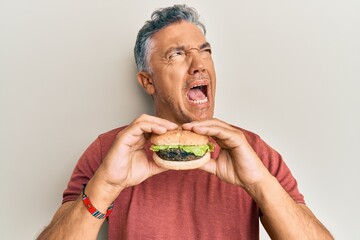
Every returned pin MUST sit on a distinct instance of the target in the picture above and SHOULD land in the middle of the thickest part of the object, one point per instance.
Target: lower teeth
(200, 101)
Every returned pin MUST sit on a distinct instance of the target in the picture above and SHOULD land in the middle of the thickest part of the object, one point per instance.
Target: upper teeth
(197, 86)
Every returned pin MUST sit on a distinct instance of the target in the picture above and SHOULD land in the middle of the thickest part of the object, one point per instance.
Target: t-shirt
(189, 204)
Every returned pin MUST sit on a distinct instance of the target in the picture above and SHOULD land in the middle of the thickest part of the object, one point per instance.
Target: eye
(177, 53)
(206, 52)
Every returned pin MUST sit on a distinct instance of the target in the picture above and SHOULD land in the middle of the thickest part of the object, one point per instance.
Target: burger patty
(176, 154)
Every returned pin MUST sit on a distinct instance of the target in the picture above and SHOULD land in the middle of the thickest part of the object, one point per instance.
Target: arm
(239, 164)
(311, 226)
(125, 165)
(72, 221)
(282, 217)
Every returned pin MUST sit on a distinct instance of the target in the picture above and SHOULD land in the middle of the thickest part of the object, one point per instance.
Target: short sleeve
(274, 162)
(85, 168)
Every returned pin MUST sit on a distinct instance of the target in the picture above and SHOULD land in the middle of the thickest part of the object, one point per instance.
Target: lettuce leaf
(198, 150)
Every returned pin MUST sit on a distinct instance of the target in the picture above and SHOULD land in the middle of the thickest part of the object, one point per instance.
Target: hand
(126, 163)
(237, 162)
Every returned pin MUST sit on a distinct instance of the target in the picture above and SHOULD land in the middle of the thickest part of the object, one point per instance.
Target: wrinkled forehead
(179, 34)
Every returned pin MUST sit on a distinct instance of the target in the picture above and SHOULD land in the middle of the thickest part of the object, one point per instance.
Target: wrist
(269, 194)
(102, 194)
(92, 209)
(261, 189)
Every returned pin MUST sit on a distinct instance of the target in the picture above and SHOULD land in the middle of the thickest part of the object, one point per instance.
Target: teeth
(200, 101)
(197, 86)
(200, 87)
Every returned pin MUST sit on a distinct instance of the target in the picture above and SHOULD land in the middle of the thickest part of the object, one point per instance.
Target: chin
(194, 118)
(192, 113)
(202, 115)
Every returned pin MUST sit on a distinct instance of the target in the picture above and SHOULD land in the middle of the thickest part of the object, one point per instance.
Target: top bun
(179, 137)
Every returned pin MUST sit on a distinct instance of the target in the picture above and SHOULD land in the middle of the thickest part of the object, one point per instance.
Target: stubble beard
(178, 113)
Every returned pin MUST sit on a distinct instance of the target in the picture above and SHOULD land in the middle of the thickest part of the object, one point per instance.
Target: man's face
(183, 75)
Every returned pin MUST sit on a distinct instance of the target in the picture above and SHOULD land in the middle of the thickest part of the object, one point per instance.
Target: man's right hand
(126, 163)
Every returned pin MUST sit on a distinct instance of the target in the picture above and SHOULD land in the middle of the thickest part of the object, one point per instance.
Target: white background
(287, 70)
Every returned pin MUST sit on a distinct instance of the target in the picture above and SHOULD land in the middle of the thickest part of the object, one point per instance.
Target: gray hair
(159, 19)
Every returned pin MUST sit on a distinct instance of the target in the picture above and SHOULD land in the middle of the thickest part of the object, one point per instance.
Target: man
(223, 199)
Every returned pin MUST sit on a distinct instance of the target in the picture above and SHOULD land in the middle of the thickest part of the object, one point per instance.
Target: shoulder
(263, 149)
(274, 162)
(106, 139)
(111, 134)
(253, 138)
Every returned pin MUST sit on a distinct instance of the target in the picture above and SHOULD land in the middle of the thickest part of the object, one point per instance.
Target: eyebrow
(205, 45)
(183, 48)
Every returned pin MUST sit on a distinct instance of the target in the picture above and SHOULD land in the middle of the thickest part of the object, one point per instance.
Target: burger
(180, 149)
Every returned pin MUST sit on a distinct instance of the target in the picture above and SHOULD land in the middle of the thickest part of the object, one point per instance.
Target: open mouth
(198, 94)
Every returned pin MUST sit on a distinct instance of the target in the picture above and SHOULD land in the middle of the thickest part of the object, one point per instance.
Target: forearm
(283, 218)
(73, 220)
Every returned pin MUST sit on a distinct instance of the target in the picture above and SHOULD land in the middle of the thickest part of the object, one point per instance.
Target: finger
(149, 124)
(156, 121)
(206, 123)
(143, 125)
(155, 169)
(225, 137)
(224, 134)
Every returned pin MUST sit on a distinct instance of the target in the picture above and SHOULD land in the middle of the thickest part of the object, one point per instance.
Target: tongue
(196, 94)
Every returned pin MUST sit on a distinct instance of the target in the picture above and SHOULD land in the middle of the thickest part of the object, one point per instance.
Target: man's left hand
(237, 162)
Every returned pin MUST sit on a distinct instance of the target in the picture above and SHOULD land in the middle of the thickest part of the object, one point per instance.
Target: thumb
(210, 166)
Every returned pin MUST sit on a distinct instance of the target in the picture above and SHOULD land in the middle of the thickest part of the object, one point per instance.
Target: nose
(196, 63)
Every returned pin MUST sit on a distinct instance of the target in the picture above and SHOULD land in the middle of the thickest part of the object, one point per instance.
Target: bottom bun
(181, 165)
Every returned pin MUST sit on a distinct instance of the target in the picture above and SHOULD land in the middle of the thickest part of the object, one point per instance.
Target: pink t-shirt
(190, 204)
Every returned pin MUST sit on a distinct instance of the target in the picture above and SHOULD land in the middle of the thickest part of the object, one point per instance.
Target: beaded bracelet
(92, 209)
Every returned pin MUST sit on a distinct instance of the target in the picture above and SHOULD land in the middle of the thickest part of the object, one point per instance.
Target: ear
(146, 82)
